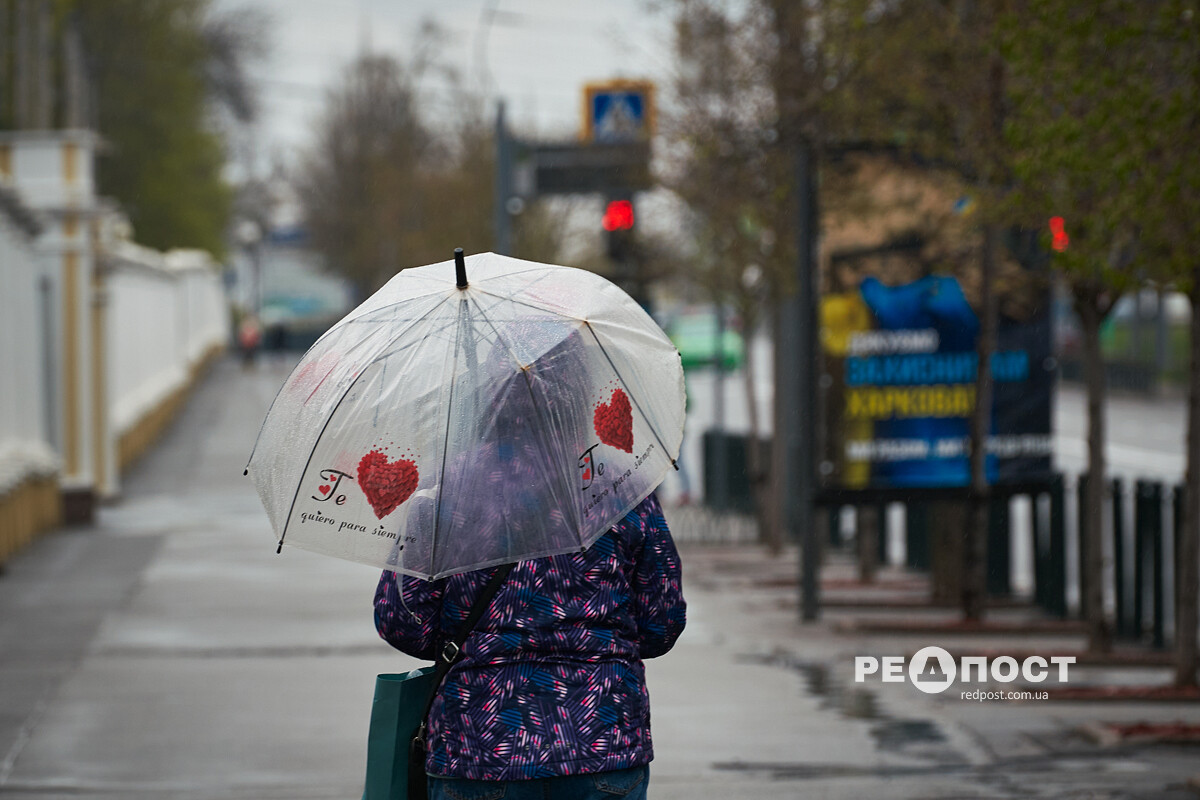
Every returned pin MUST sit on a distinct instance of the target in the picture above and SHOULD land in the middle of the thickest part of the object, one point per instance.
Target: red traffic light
(618, 216)
(1060, 240)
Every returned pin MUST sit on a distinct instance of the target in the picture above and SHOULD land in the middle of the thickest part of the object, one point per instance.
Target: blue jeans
(629, 784)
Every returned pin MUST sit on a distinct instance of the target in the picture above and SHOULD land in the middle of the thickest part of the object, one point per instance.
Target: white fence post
(52, 172)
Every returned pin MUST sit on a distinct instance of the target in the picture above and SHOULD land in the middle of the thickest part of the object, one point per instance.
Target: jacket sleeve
(659, 607)
(408, 612)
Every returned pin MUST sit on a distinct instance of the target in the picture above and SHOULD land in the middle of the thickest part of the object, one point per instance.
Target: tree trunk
(773, 479)
(1087, 305)
(974, 551)
(769, 531)
(1188, 569)
(947, 519)
(869, 526)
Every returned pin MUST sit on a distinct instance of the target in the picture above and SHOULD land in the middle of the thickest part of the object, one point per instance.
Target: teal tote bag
(400, 700)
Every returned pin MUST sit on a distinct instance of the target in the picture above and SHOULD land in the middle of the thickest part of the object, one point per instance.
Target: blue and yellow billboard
(898, 389)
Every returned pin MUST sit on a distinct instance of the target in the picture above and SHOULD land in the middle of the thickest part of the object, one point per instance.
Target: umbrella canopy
(440, 428)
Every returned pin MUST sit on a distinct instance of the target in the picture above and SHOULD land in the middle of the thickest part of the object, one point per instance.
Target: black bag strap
(452, 650)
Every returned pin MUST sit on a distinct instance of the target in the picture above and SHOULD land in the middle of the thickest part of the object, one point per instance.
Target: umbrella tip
(246, 471)
(460, 268)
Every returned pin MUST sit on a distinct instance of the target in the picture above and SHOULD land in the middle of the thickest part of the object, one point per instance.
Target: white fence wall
(25, 447)
(203, 307)
(164, 315)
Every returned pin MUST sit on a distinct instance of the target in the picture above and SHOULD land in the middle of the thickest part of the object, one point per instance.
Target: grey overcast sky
(537, 53)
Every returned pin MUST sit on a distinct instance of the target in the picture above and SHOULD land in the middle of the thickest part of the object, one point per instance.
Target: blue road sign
(619, 112)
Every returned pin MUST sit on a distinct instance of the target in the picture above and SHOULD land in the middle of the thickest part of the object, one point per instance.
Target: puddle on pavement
(897, 734)
(917, 748)
(852, 702)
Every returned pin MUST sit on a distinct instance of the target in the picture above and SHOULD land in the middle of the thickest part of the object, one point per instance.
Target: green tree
(949, 109)
(357, 182)
(757, 82)
(1167, 190)
(157, 71)
(1084, 86)
(727, 164)
(386, 185)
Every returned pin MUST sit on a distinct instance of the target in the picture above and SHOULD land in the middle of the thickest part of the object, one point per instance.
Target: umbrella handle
(460, 268)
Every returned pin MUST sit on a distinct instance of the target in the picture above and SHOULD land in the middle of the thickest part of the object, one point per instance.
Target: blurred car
(695, 334)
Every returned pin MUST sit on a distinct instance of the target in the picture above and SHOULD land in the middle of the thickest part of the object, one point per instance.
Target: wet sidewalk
(168, 652)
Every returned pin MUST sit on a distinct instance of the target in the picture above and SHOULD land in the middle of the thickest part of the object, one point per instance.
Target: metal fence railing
(1142, 519)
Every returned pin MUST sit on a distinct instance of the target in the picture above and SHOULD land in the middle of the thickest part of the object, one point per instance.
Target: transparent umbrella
(447, 424)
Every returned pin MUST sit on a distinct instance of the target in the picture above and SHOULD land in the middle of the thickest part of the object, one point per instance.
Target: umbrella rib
(287, 521)
(437, 512)
(520, 272)
(428, 335)
(278, 392)
(544, 309)
(631, 395)
(300, 363)
(449, 285)
(346, 320)
(533, 400)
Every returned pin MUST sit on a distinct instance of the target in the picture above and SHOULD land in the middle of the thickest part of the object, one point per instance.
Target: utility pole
(75, 82)
(502, 186)
(43, 80)
(806, 284)
(22, 66)
(6, 85)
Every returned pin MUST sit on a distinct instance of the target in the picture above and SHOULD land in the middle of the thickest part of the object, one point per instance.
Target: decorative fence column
(52, 172)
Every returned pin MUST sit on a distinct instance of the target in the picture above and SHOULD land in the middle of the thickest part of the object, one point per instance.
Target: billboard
(899, 366)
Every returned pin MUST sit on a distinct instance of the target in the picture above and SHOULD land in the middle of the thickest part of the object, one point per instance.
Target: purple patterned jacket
(551, 681)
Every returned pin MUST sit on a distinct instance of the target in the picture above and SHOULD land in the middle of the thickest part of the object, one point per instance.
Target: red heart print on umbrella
(386, 484)
(613, 421)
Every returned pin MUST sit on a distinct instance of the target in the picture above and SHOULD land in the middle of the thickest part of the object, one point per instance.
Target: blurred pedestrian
(249, 339)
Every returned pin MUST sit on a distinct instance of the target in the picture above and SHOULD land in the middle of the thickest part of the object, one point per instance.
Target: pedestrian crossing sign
(618, 111)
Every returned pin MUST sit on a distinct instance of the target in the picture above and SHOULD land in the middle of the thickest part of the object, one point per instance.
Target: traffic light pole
(619, 245)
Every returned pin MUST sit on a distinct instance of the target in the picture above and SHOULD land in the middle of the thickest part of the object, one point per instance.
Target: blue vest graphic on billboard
(899, 388)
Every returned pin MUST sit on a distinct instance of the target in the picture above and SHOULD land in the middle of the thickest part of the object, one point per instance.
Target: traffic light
(1060, 239)
(618, 228)
(618, 216)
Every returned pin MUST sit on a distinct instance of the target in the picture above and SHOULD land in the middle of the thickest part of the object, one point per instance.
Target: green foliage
(384, 188)
(357, 180)
(728, 164)
(1168, 173)
(162, 160)
(913, 81)
(1099, 100)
